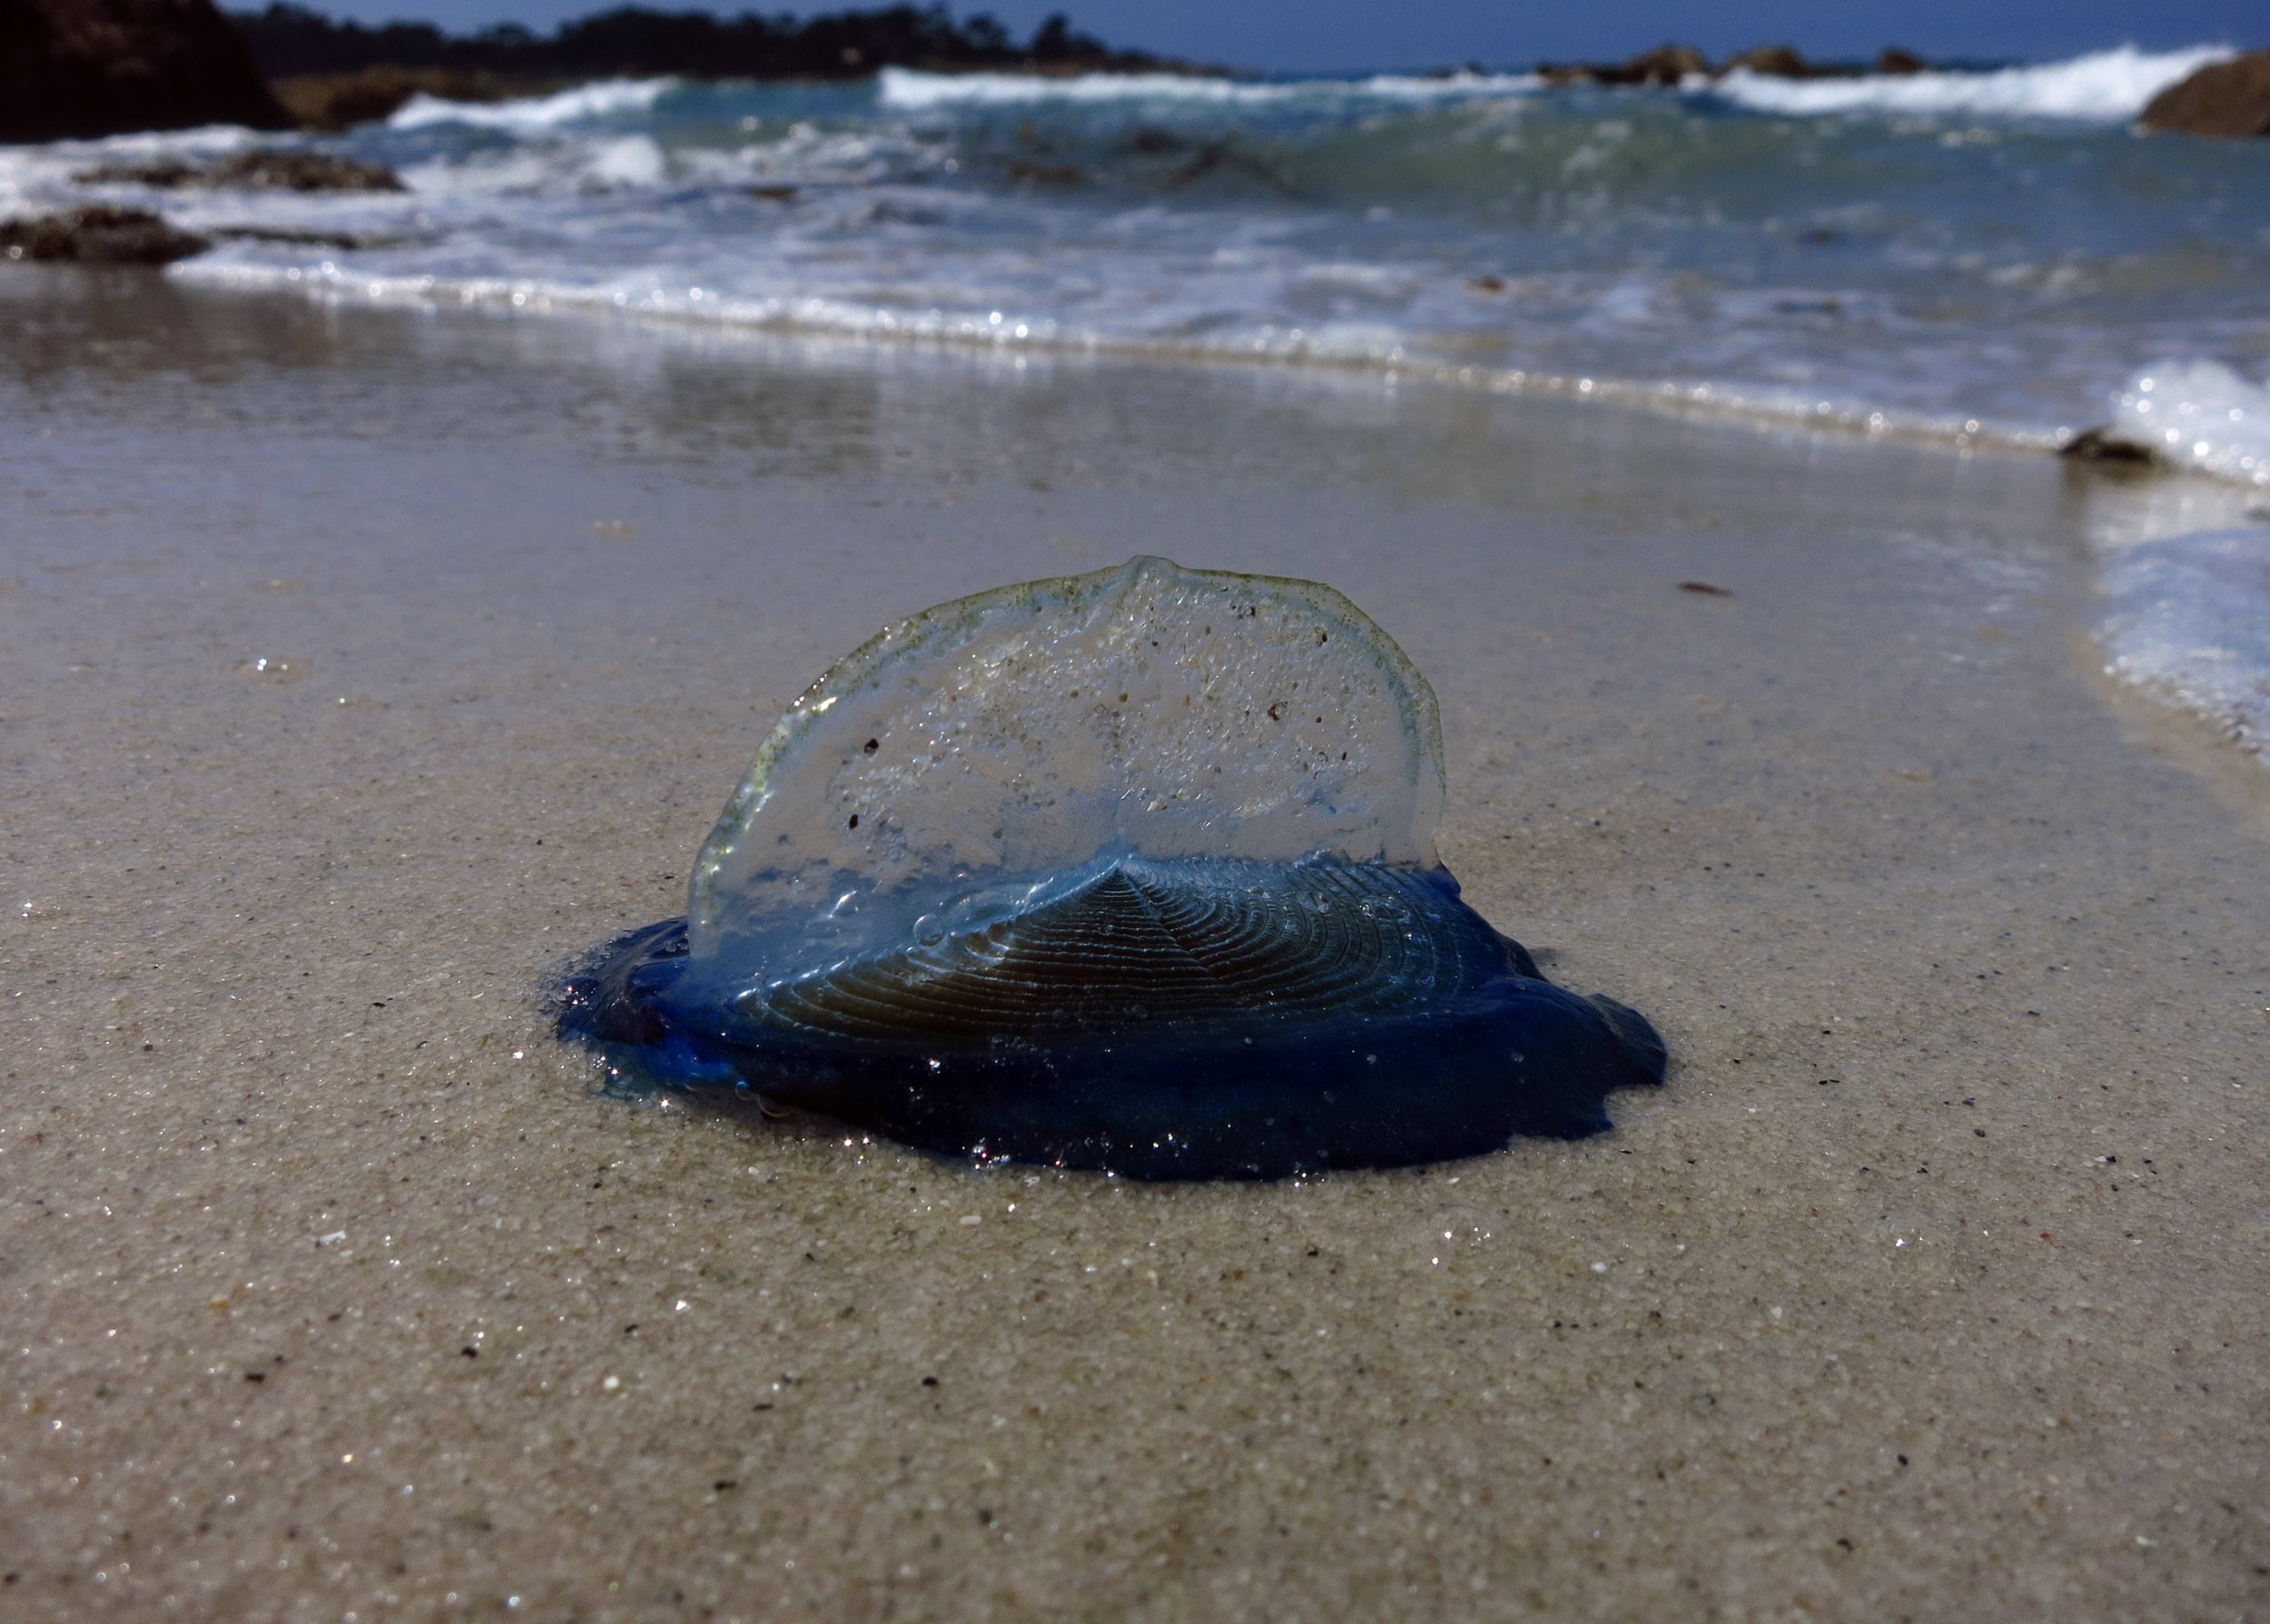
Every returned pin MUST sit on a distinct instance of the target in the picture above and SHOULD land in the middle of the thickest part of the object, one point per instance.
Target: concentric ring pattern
(1144, 946)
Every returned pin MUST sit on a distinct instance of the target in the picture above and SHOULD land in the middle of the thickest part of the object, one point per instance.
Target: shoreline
(365, 663)
(638, 206)
(1705, 402)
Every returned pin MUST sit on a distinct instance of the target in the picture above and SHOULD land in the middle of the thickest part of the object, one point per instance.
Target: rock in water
(1664, 65)
(79, 68)
(2224, 98)
(2106, 446)
(287, 170)
(1133, 871)
(98, 236)
(264, 169)
(1771, 62)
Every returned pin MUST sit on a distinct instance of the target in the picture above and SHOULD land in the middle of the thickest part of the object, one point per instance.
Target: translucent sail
(936, 779)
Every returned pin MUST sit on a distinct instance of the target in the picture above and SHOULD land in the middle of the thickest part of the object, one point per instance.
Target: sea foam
(2200, 415)
(910, 88)
(609, 98)
(2189, 623)
(2103, 86)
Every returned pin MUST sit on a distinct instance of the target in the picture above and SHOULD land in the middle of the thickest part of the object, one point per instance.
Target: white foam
(2106, 86)
(629, 161)
(2190, 625)
(40, 176)
(202, 140)
(911, 89)
(608, 98)
(961, 318)
(2200, 415)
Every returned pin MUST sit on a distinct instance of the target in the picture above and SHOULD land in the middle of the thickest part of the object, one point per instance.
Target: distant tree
(1052, 41)
(288, 39)
(986, 34)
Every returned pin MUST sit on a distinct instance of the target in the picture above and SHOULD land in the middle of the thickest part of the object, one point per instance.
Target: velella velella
(1131, 871)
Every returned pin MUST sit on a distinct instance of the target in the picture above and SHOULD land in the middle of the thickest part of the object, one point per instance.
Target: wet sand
(1930, 1286)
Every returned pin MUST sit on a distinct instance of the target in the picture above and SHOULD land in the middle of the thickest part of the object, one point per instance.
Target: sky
(1323, 36)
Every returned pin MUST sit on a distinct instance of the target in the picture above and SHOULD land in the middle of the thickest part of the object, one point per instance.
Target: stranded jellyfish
(1131, 871)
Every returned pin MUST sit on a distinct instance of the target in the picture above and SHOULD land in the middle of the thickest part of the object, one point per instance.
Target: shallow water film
(1131, 871)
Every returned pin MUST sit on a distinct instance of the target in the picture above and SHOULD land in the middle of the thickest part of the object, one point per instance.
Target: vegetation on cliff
(331, 74)
(290, 40)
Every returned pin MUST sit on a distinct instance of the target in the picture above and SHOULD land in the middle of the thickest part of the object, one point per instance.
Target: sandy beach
(359, 667)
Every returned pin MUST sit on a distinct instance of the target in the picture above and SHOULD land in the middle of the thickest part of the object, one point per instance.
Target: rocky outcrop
(1665, 64)
(101, 68)
(2227, 98)
(277, 171)
(1673, 64)
(261, 169)
(98, 236)
(341, 101)
(1772, 61)
(347, 241)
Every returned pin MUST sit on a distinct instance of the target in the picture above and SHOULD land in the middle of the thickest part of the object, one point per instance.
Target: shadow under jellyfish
(1131, 871)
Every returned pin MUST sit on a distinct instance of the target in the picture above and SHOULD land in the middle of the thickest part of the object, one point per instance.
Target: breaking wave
(610, 98)
(2106, 86)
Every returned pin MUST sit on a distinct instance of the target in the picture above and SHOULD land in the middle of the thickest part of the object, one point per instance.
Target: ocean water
(2189, 622)
(1976, 258)
(1993, 254)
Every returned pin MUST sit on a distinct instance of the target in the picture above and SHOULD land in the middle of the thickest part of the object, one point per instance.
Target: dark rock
(98, 236)
(260, 170)
(2228, 98)
(774, 194)
(367, 95)
(346, 241)
(2102, 445)
(1772, 61)
(1664, 65)
(1893, 62)
(303, 172)
(341, 101)
(80, 68)
(165, 172)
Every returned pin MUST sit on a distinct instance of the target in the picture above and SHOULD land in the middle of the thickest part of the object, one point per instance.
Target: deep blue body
(1257, 1097)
